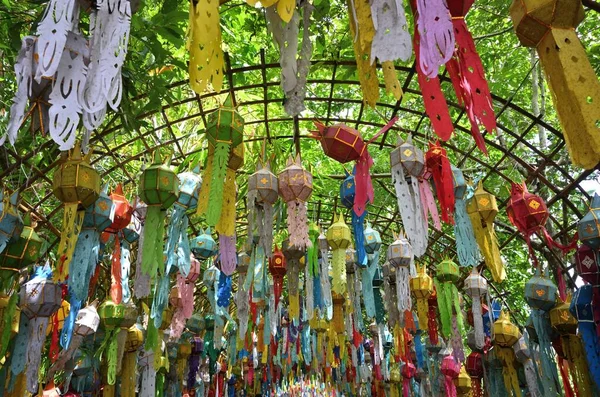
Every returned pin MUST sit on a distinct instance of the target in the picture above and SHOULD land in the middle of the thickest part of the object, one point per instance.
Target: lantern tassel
(428, 204)
(128, 375)
(219, 173)
(549, 375)
(325, 283)
(358, 228)
(203, 195)
(37, 337)
(72, 222)
(19, 353)
(466, 244)
(439, 165)
(5, 326)
(367, 286)
(227, 253)
(444, 299)
(573, 346)
(587, 329)
(509, 373)
(339, 271)
(152, 250)
(379, 306)
(488, 244)
(224, 290)
(116, 290)
(297, 221)
(364, 185)
(531, 378)
(226, 224)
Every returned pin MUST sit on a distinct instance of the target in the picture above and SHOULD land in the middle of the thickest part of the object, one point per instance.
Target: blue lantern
(204, 246)
(589, 226)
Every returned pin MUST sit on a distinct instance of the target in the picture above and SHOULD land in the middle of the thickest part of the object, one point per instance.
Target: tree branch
(592, 5)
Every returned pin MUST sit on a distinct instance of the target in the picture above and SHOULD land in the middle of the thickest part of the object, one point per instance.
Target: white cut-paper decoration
(24, 74)
(52, 32)
(67, 92)
(392, 40)
(286, 36)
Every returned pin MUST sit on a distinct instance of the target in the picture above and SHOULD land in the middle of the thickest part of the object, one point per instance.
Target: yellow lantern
(463, 383)
(422, 288)
(339, 238)
(506, 334)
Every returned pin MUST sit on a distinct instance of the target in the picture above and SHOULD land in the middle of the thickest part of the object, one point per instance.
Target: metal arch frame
(561, 196)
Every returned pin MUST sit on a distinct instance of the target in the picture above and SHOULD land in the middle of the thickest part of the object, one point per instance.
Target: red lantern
(123, 210)
(277, 267)
(528, 212)
(474, 366)
(438, 164)
(344, 144)
(450, 369)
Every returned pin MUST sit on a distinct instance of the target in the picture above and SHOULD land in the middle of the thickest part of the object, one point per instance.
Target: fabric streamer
(549, 372)
(367, 284)
(438, 164)
(228, 256)
(466, 244)
(324, 275)
(348, 196)
(509, 373)
(152, 253)
(436, 44)
(581, 308)
(427, 201)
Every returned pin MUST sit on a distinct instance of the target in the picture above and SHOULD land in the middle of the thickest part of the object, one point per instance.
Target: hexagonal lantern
(506, 334)
(540, 292)
(100, 215)
(588, 227)
(295, 183)
(399, 253)
(372, 240)
(25, 251)
(204, 246)
(189, 188)
(265, 184)
(225, 125)
(561, 318)
(484, 203)
(410, 156)
(75, 180)
(11, 224)
(158, 185)
(447, 270)
(339, 239)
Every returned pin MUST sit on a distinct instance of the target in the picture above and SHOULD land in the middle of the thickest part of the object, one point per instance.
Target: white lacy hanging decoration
(85, 76)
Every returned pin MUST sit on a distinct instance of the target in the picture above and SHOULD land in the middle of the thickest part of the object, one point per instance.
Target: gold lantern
(549, 26)
(421, 287)
(463, 383)
(76, 184)
(339, 238)
(506, 334)
(482, 209)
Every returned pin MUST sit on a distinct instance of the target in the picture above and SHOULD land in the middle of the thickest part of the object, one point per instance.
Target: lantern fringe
(358, 228)
(6, 324)
(437, 36)
(573, 347)
(242, 304)
(37, 337)
(19, 353)
(432, 325)
(219, 173)
(339, 271)
(456, 341)
(367, 286)
(549, 372)
(403, 289)
(466, 244)
(587, 331)
(308, 286)
(161, 298)
(297, 221)
(83, 264)
(488, 244)
(121, 339)
(116, 290)
(128, 375)
(428, 204)
(531, 378)
(69, 322)
(226, 224)
(422, 313)
(72, 223)
(204, 193)
(152, 254)
(227, 253)
(325, 283)
(293, 275)
(224, 290)
(379, 306)
(148, 374)
(509, 373)
(444, 299)
(178, 245)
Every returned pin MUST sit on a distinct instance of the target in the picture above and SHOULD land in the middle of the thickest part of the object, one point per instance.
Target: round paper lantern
(11, 224)
(25, 251)
(506, 334)
(474, 365)
(75, 180)
(204, 246)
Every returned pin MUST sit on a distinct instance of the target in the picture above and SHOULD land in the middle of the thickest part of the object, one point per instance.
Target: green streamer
(219, 170)
(9, 313)
(379, 306)
(160, 384)
(151, 336)
(112, 357)
(151, 236)
(456, 304)
(444, 298)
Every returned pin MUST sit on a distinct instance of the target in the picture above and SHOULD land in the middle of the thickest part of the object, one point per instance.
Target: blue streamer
(466, 245)
(358, 227)
(549, 376)
(83, 264)
(318, 293)
(367, 284)
(224, 290)
(19, 353)
(581, 308)
(419, 350)
(69, 325)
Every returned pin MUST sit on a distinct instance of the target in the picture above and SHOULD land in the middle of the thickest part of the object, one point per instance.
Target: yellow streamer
(294, 309)
(226, 225)
(205, 188)
(488, 245)
(580, 372)
(128, 375)
(392, 84)
(511, 380)
(72, 222)
(204, 46)
(363, 31)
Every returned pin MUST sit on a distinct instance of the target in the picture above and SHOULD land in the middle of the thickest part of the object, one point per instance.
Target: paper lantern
(438, 164)
(196, 323)
(474, 367)
(549, 25)
(123, 211)
(339, 239)
(482, 209)
(588, 227)
(561, 318)
(263, 192)
(347, 195)
(463, 383)
(372, 240)
(39, 299)
(400, 256)
(408, 163)
(277, 268)
(224, 130)
(506, 333)
(421, 287)
(204, 246)
(450, 369)
(295, 187)
(528, 212)
(25, 251)
(111, 317)
(11, 224)
(540, 292)
(476, 287)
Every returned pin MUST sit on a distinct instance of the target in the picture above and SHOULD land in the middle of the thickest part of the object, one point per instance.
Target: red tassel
(116, 287)
(437, 162)
(54, 342)
(432, 325)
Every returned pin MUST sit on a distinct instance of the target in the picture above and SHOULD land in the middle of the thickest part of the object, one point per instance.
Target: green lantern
(224, 130)
(23, 252)
(447, 275)
(159, 189)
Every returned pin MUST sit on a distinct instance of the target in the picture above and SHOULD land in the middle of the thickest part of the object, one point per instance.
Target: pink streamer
(449, 386)
(428, 204)
(364, 184)
(227, 254)
(185, 311)
(437, 35)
